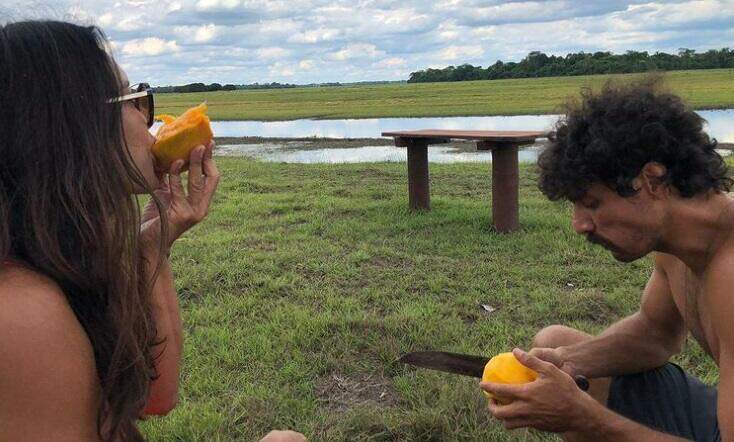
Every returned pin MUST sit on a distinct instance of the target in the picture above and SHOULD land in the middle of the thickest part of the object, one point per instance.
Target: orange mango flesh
(506, 369)
(179, 136)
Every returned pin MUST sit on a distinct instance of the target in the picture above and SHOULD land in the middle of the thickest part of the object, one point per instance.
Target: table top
(481, 135)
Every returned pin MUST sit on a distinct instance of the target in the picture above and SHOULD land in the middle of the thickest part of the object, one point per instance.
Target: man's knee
(558, 335)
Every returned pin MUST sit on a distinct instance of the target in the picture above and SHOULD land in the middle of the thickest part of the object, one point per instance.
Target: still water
(720, 126)
(276, 152)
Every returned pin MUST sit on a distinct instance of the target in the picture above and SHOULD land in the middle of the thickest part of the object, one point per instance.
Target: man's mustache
(595, 239)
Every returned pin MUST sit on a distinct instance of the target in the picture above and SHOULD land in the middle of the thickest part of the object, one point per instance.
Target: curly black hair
(610, 135)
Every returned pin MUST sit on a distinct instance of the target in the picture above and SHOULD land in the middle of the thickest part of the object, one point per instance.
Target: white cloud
(205, 33)
(356, 50)
(460, 52)
(272, 53)
(207, 5)
(400, 17)
(105, 19)
(305, 41)
(149, 46)
(281, 70)
(306, 65)
(314, 36)
(392, 62)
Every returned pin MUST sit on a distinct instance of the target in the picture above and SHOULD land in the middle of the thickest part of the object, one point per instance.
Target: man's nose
(581, 222)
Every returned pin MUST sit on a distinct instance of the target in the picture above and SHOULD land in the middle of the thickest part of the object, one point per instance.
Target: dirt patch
(391, 262)
(341, 393)
(589, 305)
(252, 187)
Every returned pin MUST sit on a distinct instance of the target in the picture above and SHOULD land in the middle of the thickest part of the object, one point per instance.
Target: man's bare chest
(690, 299)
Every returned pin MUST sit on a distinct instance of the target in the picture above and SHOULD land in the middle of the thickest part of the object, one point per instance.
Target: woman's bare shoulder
(34, 303)
(46, 361)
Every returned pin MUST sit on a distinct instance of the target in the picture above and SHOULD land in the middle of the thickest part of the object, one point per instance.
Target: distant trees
(538, 64)
(201, 87)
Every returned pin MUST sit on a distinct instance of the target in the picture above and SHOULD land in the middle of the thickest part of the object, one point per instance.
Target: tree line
(201, 87)
(538, 64)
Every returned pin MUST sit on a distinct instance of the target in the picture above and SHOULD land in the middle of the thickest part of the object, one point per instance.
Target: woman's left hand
(184, 209)
(553, 402)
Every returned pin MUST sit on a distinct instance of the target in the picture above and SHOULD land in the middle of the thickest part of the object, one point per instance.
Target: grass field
(307, 281)
(706, 89)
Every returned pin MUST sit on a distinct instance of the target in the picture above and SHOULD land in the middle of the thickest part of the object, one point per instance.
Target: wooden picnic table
(505, 169)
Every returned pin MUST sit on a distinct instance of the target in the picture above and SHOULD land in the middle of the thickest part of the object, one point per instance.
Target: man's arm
(554, 403)
(719, 300)
(604, 425)
(644, 340)
(725, 406)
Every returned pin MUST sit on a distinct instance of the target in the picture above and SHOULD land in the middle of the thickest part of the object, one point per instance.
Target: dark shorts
(668, 400)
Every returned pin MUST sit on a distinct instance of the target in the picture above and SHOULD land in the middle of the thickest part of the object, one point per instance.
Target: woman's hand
(284, 436)
(184, 209)
(553, 402)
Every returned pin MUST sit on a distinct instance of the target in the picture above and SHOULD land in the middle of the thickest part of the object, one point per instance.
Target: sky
(168, 42)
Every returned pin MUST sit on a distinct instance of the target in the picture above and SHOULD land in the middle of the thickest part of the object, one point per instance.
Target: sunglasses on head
(142, 99)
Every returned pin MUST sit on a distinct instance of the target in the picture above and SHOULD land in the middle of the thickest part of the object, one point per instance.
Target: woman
(90, 328)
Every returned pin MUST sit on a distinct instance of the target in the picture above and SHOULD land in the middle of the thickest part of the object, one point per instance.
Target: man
(643, 178)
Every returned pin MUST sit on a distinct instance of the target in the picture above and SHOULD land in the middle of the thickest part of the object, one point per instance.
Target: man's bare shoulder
(721, 265)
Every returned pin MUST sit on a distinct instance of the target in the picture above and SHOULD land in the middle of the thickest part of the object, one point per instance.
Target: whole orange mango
(506, 369)
(179, 136)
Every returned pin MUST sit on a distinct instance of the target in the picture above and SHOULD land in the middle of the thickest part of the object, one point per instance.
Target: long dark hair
(66, 207)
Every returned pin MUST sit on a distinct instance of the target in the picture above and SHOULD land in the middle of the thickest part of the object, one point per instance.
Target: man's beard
(617, 253)
(598, 240)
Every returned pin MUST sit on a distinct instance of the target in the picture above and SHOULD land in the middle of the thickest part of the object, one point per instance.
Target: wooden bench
(505, 169)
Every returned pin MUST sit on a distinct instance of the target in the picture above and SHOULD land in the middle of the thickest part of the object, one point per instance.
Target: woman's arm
(184, 209)
(163, 394)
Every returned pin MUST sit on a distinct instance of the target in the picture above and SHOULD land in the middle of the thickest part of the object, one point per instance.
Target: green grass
(704, 89)
(306, 282)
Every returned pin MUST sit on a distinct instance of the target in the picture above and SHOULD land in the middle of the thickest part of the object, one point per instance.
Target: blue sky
(304, 41)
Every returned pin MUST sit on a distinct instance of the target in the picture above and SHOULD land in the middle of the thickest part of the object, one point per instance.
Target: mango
(506, 369)
(177, 137)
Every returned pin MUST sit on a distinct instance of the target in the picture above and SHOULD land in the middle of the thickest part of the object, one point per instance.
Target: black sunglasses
(143, 101)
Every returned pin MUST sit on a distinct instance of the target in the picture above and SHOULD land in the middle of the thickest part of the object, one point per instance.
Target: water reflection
(274, 152)
(721, 126)
(286, 153)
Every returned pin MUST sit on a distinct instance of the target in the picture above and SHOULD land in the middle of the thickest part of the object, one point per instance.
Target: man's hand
(553, 402)
(284, 436)
(555, 357)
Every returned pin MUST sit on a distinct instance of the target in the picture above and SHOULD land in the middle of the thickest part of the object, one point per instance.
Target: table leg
(418, 187)
(505, 188)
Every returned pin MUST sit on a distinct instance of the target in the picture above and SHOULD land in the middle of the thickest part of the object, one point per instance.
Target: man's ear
(652, 177)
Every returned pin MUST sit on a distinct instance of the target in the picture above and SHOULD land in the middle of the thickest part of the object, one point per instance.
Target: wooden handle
(582, 382)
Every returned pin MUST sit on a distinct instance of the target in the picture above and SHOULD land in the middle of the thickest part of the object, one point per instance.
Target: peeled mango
(179, 136)
(506, 369)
